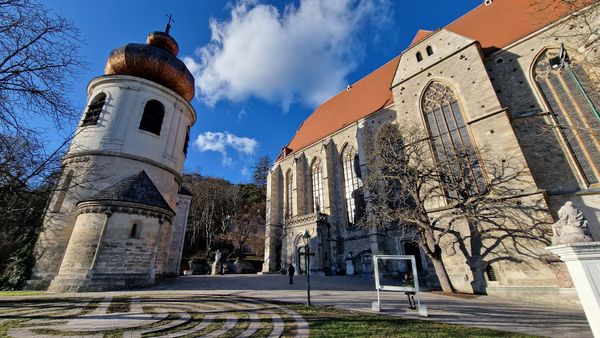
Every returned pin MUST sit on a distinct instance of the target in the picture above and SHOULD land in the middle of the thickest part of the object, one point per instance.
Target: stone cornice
(111, 207)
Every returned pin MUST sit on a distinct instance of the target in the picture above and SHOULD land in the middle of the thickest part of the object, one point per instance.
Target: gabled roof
(421, 34)
(137, 188)
(494, 26)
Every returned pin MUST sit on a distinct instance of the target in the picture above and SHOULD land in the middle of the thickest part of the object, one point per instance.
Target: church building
(117, 218)
(510, 76)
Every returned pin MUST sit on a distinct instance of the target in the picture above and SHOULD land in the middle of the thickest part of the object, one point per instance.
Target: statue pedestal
(583, 262)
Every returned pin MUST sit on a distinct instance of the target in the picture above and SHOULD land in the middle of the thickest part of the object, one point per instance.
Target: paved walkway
(212, 305)
(357, 293)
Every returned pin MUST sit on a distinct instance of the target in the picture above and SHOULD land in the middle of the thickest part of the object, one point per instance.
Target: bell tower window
(186, 141)
(152, 119)
(92, 115)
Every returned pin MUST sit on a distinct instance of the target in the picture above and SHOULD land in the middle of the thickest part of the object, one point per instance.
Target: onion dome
(155, 61)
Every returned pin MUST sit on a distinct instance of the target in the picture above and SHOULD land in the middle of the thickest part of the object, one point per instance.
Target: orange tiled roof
(495, 26)
(506, 21)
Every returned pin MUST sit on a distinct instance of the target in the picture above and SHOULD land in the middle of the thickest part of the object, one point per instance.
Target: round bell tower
(116, 206)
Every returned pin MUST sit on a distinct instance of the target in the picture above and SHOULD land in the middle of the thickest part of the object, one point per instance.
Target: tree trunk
(442, 274)
(434, 252)
(479, 284)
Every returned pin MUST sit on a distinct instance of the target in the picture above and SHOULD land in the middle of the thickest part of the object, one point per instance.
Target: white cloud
(245, 172)
(302, 54)
(222, 141)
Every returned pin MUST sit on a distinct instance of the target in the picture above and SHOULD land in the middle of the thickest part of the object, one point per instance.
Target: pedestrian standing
(291, 272)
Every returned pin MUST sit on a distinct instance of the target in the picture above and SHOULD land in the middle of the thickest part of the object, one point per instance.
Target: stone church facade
(117, 218)
(510, 76)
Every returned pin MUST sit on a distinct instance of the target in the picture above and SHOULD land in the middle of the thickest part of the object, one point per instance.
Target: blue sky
(261, 67)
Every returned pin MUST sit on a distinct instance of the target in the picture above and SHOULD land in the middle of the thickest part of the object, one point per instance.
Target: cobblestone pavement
(149, 316)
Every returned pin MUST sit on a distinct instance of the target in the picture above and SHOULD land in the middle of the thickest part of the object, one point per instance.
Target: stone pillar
(273, 220)
(178, 235)
(583, 262)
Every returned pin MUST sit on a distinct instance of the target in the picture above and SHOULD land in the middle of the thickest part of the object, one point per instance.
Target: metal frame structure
(422, 309)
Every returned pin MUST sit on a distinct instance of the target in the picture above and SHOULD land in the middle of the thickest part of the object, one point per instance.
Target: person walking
(291, 272)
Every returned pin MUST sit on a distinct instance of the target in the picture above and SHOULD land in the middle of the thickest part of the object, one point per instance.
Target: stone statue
(216, 262)
(571, 226)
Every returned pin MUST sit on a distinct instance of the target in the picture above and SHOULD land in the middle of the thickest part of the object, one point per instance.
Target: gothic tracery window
(317, 185)
(152, 118)
(572, 100)
(92, 115)
(449, 134)
(352, 183)
(288, 193)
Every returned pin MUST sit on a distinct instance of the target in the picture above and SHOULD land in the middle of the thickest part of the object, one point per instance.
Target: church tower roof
(155, 61)
(137, 188)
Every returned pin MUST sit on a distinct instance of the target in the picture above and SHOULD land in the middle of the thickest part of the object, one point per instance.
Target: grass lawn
(331, 322)
(20, 293)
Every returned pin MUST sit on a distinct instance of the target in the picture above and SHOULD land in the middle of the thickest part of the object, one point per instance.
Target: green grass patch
(331, 322)
(21, 293)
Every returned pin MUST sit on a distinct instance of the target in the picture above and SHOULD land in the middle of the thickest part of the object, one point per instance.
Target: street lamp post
(307, 253)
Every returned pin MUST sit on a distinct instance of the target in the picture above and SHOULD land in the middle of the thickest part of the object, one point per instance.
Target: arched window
(135, 231)
(352, 183)
(186, 141)
(429, 51)
(419, 57)
(317, 185)
(152, 119)
(288, 193)
(93, 111)
(449, 134)
(573, 100)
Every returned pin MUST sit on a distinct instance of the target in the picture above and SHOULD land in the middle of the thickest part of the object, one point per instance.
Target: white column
(583, 262)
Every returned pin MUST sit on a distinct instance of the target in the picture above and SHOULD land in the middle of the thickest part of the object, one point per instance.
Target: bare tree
(246, 229)
(39, 54)
(450, 198)
(211, 209)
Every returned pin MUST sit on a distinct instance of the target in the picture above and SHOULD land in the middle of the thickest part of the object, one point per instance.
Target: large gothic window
(288, 193)
(92, 115)
(449, 135)
(317, 185)
(352, 183)
(572, 100)
(152, 119)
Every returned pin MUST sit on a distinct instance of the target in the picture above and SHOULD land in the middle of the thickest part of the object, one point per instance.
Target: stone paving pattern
(159, 316)
(248, 305)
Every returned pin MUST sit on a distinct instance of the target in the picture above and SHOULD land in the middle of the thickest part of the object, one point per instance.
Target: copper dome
(155, 61)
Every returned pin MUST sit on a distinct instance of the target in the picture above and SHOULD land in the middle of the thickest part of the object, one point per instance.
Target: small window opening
(134, 231)
(491, 274)
(187, 140)
(92, 115)
(153, 116)
(429, 51)
(419, 57)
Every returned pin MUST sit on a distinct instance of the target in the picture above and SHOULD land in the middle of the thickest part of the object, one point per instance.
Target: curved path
(157, 316)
